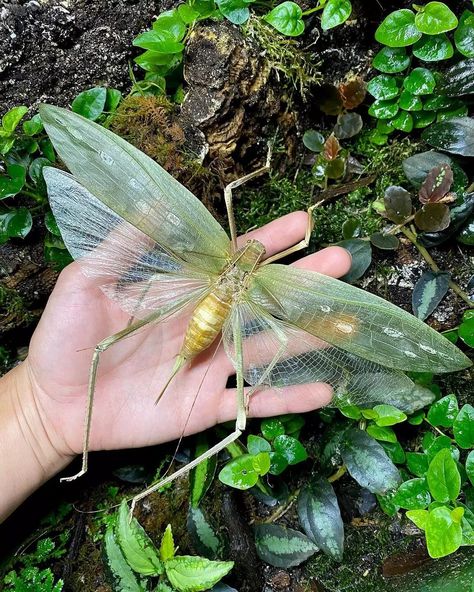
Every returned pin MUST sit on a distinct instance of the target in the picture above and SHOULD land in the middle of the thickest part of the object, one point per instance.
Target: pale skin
(42, 400)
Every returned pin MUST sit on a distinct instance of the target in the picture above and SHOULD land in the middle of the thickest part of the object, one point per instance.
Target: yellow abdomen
(206, 323)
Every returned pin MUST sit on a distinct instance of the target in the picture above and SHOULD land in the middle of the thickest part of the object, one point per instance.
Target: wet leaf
(433, 217)
(351, 228)
(170, 23)
(443, 534)
(433, 48)
(463, 37)
(290, 448)
(417, 463)
(12, 118)
(313, 140)
(255, 444)
(50, 223)
(348, 125)
(387, 415)
(33, 126)
(454, 135)
(466, 329)
(420, 81)
(15, 224)
(12, 183)
(398, 29)
(383, 87)
(422, 119)
(336, 168)
(413, 495)
(112, 100)
(331, 148)
(204, 538)
(123, 577)
(361, 252)
(398, 204)
(286, 18)
(240, 472)
(335, 13)
(353, 92)
(410, 102)
(394, 451)
(444, 411)
(435, 18)
(458, 80)
(163, 42)
(368, 463)
(391, 60)
(428, 292)
(463, 427)
(282, 547)
(470, 466)
(272, 427)
(188, 573)
(437, 184)
(403, 122)
(90, 103)
(382, 433)
(384, 109)
(278, 463)
(444, 480)
(386, 242)
(320, 517)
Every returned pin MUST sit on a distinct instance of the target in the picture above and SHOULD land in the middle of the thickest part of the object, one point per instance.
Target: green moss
(13, 311)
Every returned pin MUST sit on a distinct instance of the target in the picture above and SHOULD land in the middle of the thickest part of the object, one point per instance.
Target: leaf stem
(283, 509)
(342, 470)
(427, 257)
(311, 10)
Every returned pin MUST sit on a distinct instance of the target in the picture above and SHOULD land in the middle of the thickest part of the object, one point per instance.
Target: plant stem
(311, 10)
(342, 470)
(283, 509)
(427, 257)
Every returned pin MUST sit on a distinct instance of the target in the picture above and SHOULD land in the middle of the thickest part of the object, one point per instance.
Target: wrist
(28, 451)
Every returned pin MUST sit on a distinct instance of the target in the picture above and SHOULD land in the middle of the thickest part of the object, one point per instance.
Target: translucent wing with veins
(278, 354)
(353, 320)
(137, 189)
(130, 267)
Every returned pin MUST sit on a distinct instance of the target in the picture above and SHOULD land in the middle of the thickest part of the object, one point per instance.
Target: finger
(278, 235)
(268, 402)
(332, 261)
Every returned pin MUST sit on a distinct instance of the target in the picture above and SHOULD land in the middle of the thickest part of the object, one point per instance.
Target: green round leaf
(90, 103)
(383, 87)
(463, 36)
(255, 444)
(443, 534)
(422, 119)
(278, 463)
(239, 473)
(433, 217)
(286, 18)
(433, 48)
(391, 60)
(313, 140)
(384, 109)
(261, 463)
(272, 427)
(398, 29)
(13, 182)
(394, 451)
(112, 100)
(443, 477)
(398, 204)
(463, 427)
(386, 242)
(435, 18)
(413, 495)
(290, 448)
(15, 224)
(403, 122)
(348, 125)
(410, 102)
(351, 228)
(420, 81)
(335, 13)
(444, 411)
(419, 517)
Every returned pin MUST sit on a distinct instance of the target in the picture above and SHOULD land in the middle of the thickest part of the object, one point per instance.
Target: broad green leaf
(202, 475)
(236, 11)
(384, 109)
(123, 577)
(335, 13)
(444, 411)
(290, 448)
(12, 118)
(278, 463)
(435, 18)
(470, 466)
(419, 518)
(417, 463)
(188, 573)
(361, 253)
(368, 463)
(170, 23)
(239, 472)
(398, 29)
(403, 121)
(320, 517)
(90, 103)
(436, 444)
(443, 477)
(33, 126)
(388, 415)
(420, 81)
(433, 48)
(35, 170)
(391, 60)
(167, 549)
(394, 451)
(454, 135)
(443, 534)
(139, 550)
(413, 495)
(286, 18)
(272, 427)
(13, 182)
(255, 444)
(158, 41)
(410, 102)
(383, 87)
(112, 100)
(382, 433)
(428, 292)
(282, 547)
(50, 223)
(261, 463)
(15, 224)
(463, 427)
(467, 525)
(387, 504)
(466, 329)
(463, 37)
(204, 539)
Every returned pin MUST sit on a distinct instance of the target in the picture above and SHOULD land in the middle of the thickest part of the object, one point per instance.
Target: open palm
(133, 371)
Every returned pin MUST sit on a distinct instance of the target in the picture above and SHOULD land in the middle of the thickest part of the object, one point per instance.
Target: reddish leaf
(437, 184)
(331, 148)
(353, 92)
(433, 217)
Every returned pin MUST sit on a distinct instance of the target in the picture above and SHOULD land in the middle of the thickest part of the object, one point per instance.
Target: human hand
(133, 371)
